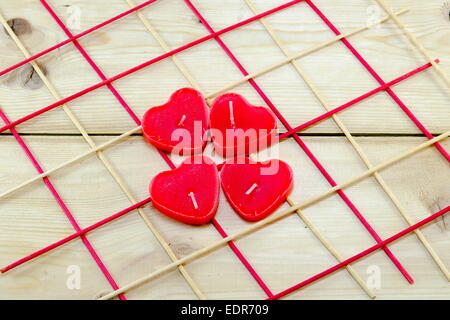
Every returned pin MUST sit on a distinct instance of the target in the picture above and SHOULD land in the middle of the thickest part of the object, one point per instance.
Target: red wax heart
(256, 189)
(180, 124)
(189, 193)
(239, 128)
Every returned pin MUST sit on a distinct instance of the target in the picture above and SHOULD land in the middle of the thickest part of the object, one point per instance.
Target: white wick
(233, 124)
(253, 187)
(182, 120)
(194, 201)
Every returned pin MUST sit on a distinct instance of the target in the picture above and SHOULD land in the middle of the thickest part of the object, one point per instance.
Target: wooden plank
(283, 253)
(127, 43)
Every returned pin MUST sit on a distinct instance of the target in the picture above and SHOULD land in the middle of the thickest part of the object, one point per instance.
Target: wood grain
(284, 253)
(126, 43)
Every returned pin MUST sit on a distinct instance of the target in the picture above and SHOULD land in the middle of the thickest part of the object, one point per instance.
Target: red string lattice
(80, 233)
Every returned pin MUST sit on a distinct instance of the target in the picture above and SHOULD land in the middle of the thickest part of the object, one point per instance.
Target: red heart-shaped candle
(239, 128)
(180, 124)
(256, 189)
(189, 193)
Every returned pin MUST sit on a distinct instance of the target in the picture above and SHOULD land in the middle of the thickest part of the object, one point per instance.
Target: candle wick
(252, 188)
(233, 124)
(182, 120)
(194, 201)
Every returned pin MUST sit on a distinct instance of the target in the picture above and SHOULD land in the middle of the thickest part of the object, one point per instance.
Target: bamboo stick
(277, 216)
(355, 145)
(101, 157)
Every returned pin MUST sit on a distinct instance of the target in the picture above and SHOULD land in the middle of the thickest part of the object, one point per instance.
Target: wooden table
(284, 253)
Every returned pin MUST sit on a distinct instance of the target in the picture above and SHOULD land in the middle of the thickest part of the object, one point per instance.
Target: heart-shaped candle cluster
(190, 193)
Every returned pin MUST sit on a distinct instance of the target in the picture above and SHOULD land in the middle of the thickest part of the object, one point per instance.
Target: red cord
(63, 206)
(355, 101)
(377, 77)
(82, 34)
(244, 261)
(145, 64)
(216, 224)
(313, 279)
(308, 152)
(282, 136)
(79, 233)
(361, 254)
